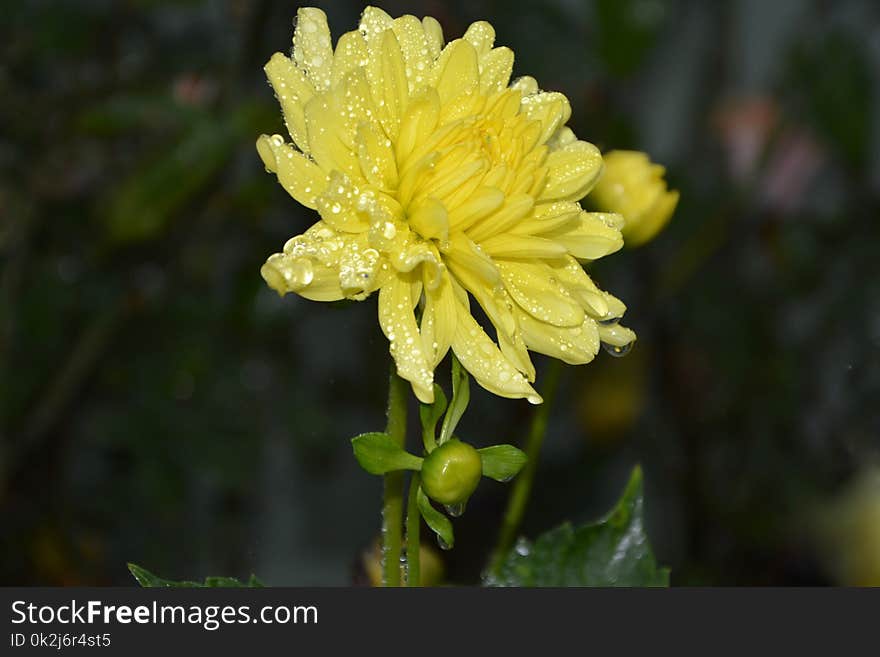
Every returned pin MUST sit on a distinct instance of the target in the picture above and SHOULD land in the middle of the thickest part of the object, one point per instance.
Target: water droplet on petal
(442, 543)
(616, 351)
(522, 547)
(455, 510)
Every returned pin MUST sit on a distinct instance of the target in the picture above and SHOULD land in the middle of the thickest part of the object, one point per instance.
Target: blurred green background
(161, 405)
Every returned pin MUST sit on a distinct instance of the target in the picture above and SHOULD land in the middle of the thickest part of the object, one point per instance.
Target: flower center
(462, 169)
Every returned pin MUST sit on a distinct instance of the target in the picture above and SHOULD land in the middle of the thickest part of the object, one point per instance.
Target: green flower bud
(451, 472)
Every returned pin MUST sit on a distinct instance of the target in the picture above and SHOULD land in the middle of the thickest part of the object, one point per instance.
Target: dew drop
(616, 351)
(522, 547)
(455, 510)
(442, 543)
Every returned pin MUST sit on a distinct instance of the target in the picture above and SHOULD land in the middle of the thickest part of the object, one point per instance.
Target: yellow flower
(633, 187)
(437, 181)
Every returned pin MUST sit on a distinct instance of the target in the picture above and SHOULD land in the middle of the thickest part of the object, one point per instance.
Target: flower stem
(522, 485)
(392, 508)
(413, 523)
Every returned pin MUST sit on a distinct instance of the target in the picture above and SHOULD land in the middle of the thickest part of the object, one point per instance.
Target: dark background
(161, 405)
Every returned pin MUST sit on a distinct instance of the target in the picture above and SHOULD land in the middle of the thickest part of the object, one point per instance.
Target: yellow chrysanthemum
(634, 187)
(436, 181)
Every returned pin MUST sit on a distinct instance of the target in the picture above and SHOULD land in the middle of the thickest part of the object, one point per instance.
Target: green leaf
(502, 462)
(440, 524)
(612, 552)
(148, 580)
(461, 396)
(430, 415)
(378, 453)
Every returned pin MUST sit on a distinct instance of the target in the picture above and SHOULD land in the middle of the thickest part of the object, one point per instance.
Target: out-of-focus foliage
(159, 405)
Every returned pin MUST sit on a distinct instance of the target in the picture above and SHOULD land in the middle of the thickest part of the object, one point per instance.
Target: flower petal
(376, 157)
(417, 124)
(293, 91)
(439, 320)
(465, 256)
(374, 22)
(551, 108)
(340, 205)
(351, 53)
(515, 208)
(417, 252)
(599, 304)
(484, 360)
(526, 85)
(434, 36)
(616, 335)
(303, 276)
(522, 246)
(653, 221)
(548, 217)
(398, 322)
(301, 177)
(481, 35)
(481, 203)
(414, 46)
(592, 236)
(461, 72)
(572, 171)
(573, 345)
(312, 47)
(536, 290)
(495, 69)
(515, 350)
(326, 133)
(430, 220)
(394, 95)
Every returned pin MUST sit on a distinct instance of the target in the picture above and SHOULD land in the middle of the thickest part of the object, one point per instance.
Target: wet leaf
(440, 524)
(461, 396)
(612, 552)
(502, 462)
(430, 414)
(148, 580)
(377, 453)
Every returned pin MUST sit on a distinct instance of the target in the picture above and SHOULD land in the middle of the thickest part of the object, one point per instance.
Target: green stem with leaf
(522, 485)
(413, 524)
(392, 508)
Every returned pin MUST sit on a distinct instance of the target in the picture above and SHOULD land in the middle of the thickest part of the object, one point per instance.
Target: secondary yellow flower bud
(451, 472)
(634, 187)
